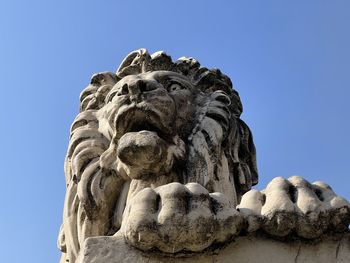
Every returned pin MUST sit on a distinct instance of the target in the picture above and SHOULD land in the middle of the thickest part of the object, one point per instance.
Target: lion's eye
(117, 92)
(174, 86)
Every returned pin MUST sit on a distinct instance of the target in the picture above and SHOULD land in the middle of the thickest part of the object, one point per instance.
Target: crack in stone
(337, 251)
(297, 255)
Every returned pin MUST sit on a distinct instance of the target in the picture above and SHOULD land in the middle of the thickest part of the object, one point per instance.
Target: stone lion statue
(159, 155)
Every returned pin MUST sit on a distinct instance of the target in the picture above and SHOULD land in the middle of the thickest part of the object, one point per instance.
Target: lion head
(152, 123)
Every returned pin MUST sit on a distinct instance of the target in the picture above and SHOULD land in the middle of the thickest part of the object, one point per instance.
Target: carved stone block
(160, 167)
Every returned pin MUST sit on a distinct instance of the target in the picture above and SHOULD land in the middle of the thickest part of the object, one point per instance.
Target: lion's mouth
(143, 125)
(139, 118)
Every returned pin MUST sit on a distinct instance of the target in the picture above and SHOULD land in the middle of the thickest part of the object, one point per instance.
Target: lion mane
(220, 153)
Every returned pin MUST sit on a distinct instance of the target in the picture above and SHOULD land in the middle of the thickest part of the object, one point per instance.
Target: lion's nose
(136, 87)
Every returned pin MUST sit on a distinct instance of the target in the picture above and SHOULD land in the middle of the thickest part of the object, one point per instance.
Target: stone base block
(252, 249)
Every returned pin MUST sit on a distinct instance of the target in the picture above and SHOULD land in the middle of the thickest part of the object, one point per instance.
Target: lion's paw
(177, 217)
(294, 205)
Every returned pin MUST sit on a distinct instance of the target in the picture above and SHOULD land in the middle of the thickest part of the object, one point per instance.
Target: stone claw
(294, 205)
(176, 217)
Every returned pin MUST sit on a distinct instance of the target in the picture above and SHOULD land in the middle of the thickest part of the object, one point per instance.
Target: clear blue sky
(290, 61)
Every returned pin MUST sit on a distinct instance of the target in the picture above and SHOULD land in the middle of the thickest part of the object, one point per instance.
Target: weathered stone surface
(253, 248)
(295, 207)
(152, 123)
(177, 217)
(159, 157)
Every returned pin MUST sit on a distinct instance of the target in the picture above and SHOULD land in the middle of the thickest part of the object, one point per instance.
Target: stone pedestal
(253, 249)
